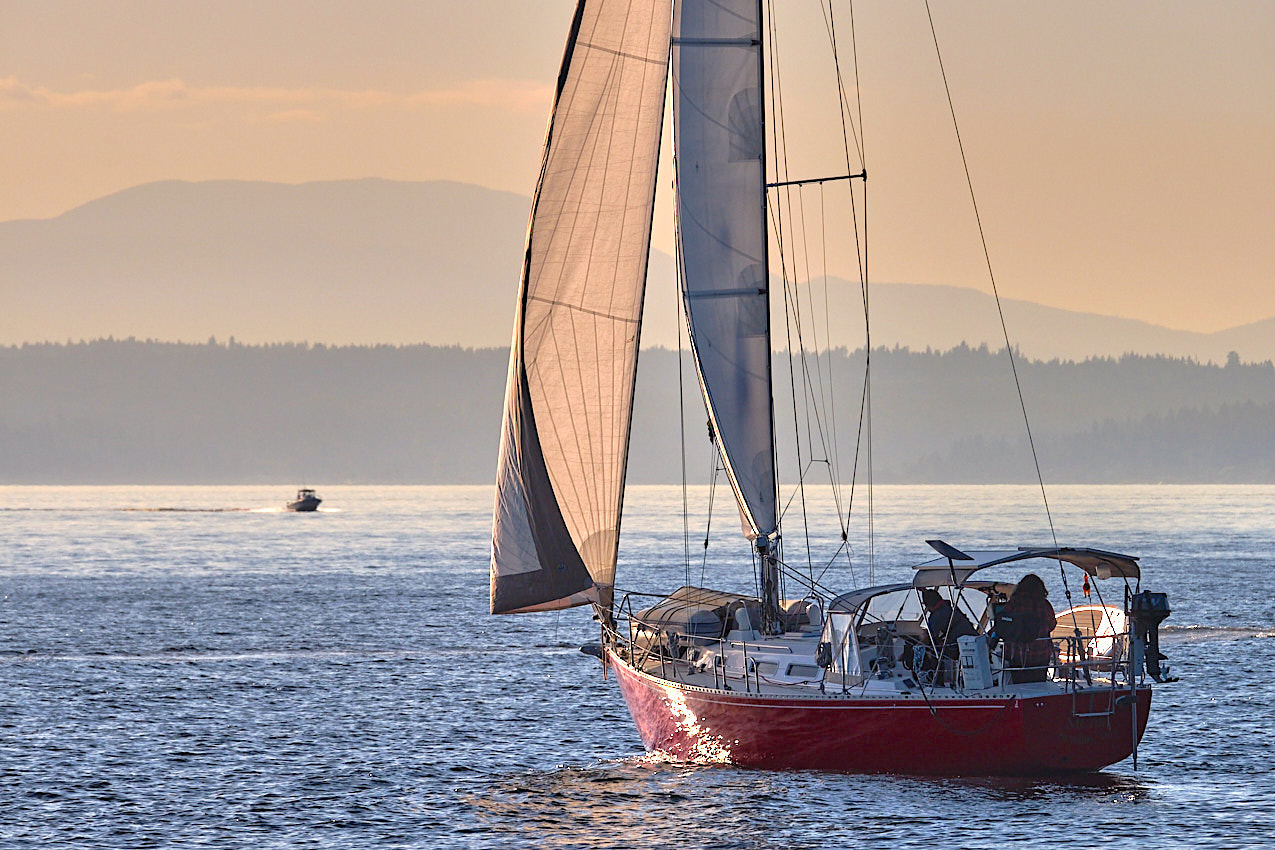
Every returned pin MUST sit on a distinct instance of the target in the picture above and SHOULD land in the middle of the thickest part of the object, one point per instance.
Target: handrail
(1074, 666)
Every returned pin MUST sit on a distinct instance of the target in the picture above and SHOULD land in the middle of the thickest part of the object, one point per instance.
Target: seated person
(1025, 624)
(944, 624)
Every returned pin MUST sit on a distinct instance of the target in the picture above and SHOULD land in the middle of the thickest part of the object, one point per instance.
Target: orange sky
(1122, 153)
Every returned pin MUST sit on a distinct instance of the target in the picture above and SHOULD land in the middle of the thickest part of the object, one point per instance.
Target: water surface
(191, 666)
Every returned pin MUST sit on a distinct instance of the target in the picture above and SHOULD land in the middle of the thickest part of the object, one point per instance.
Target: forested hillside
(150, 412)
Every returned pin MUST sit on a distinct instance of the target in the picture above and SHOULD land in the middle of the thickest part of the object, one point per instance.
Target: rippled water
(190, 666)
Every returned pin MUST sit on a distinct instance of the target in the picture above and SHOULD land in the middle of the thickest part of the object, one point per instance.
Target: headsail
(569, 400)
(719, 144)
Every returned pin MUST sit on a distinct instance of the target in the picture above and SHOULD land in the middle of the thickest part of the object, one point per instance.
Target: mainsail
(719, 145)
(569, 400)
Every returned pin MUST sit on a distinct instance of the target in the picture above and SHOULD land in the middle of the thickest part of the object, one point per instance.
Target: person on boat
(1025, 624)
(944, 623)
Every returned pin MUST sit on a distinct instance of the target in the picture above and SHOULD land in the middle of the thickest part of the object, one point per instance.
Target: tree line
(134, 411)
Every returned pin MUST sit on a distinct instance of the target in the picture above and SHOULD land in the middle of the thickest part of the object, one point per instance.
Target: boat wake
(161, 510)
(190, 510)
(176, 510)
(1203, 634)
(659, 759)
(192, 654)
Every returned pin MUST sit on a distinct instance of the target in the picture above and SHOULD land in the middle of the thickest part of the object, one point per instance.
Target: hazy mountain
(919, 316)
(351, 261)
(376, 261)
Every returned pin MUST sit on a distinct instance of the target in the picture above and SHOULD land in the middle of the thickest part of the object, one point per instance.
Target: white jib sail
(719, 145)
(569, 400)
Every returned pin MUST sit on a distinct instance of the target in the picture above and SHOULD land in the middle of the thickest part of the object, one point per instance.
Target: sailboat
(847, 681)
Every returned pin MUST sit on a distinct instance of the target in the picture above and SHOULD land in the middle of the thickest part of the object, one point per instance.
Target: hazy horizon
(1120, 153)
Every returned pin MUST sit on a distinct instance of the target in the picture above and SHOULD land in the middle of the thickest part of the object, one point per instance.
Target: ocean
(191, 666)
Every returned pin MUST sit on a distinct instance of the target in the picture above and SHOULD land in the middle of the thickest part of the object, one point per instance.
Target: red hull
(984, 737)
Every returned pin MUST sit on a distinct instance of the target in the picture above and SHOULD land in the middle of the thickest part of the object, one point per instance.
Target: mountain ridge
(372, 261)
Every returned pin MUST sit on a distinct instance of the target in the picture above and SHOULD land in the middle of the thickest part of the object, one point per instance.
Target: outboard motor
(1147, 611)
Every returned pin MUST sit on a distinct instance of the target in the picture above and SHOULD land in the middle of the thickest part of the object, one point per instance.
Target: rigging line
(844, 547)
(832, 560)
(809, 385)
(781, 146)
(801, 474)
(775, 211)
(779, 135)
(858, 440)
(708, 522)
(793, 298)
(835, 471)
(681, 393)
(842, 103)
(787, 571)
(1009, 348)
(872, 540)
(858, 90)
(861, 250)
(841, 107)
(808, 388)
(821, 402)
(789, 292)
(848, 129)
(805, 255)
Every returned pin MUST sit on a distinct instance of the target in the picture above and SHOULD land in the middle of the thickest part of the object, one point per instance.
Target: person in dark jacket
(944, 623)
(1024, 624)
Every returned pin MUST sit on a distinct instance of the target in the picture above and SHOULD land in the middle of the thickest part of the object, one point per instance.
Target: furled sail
(569, 400)
(719, 144)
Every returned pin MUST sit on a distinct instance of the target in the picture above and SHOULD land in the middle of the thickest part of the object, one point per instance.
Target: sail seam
(577, 308)
(718, 42)
(728, 293)
(622, 53)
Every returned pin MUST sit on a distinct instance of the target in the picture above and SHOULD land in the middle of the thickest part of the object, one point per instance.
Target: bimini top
(955, 567)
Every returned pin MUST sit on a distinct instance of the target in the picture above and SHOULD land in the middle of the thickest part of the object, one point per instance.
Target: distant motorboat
(305, 501)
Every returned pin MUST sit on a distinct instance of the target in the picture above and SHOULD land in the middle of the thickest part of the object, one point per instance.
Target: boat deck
(785, 666)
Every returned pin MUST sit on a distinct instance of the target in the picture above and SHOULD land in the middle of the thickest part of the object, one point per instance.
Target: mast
(720, 144)
(767, 547)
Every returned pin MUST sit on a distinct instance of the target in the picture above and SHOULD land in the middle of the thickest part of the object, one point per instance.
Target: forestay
(569, 399)
(719, 144)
